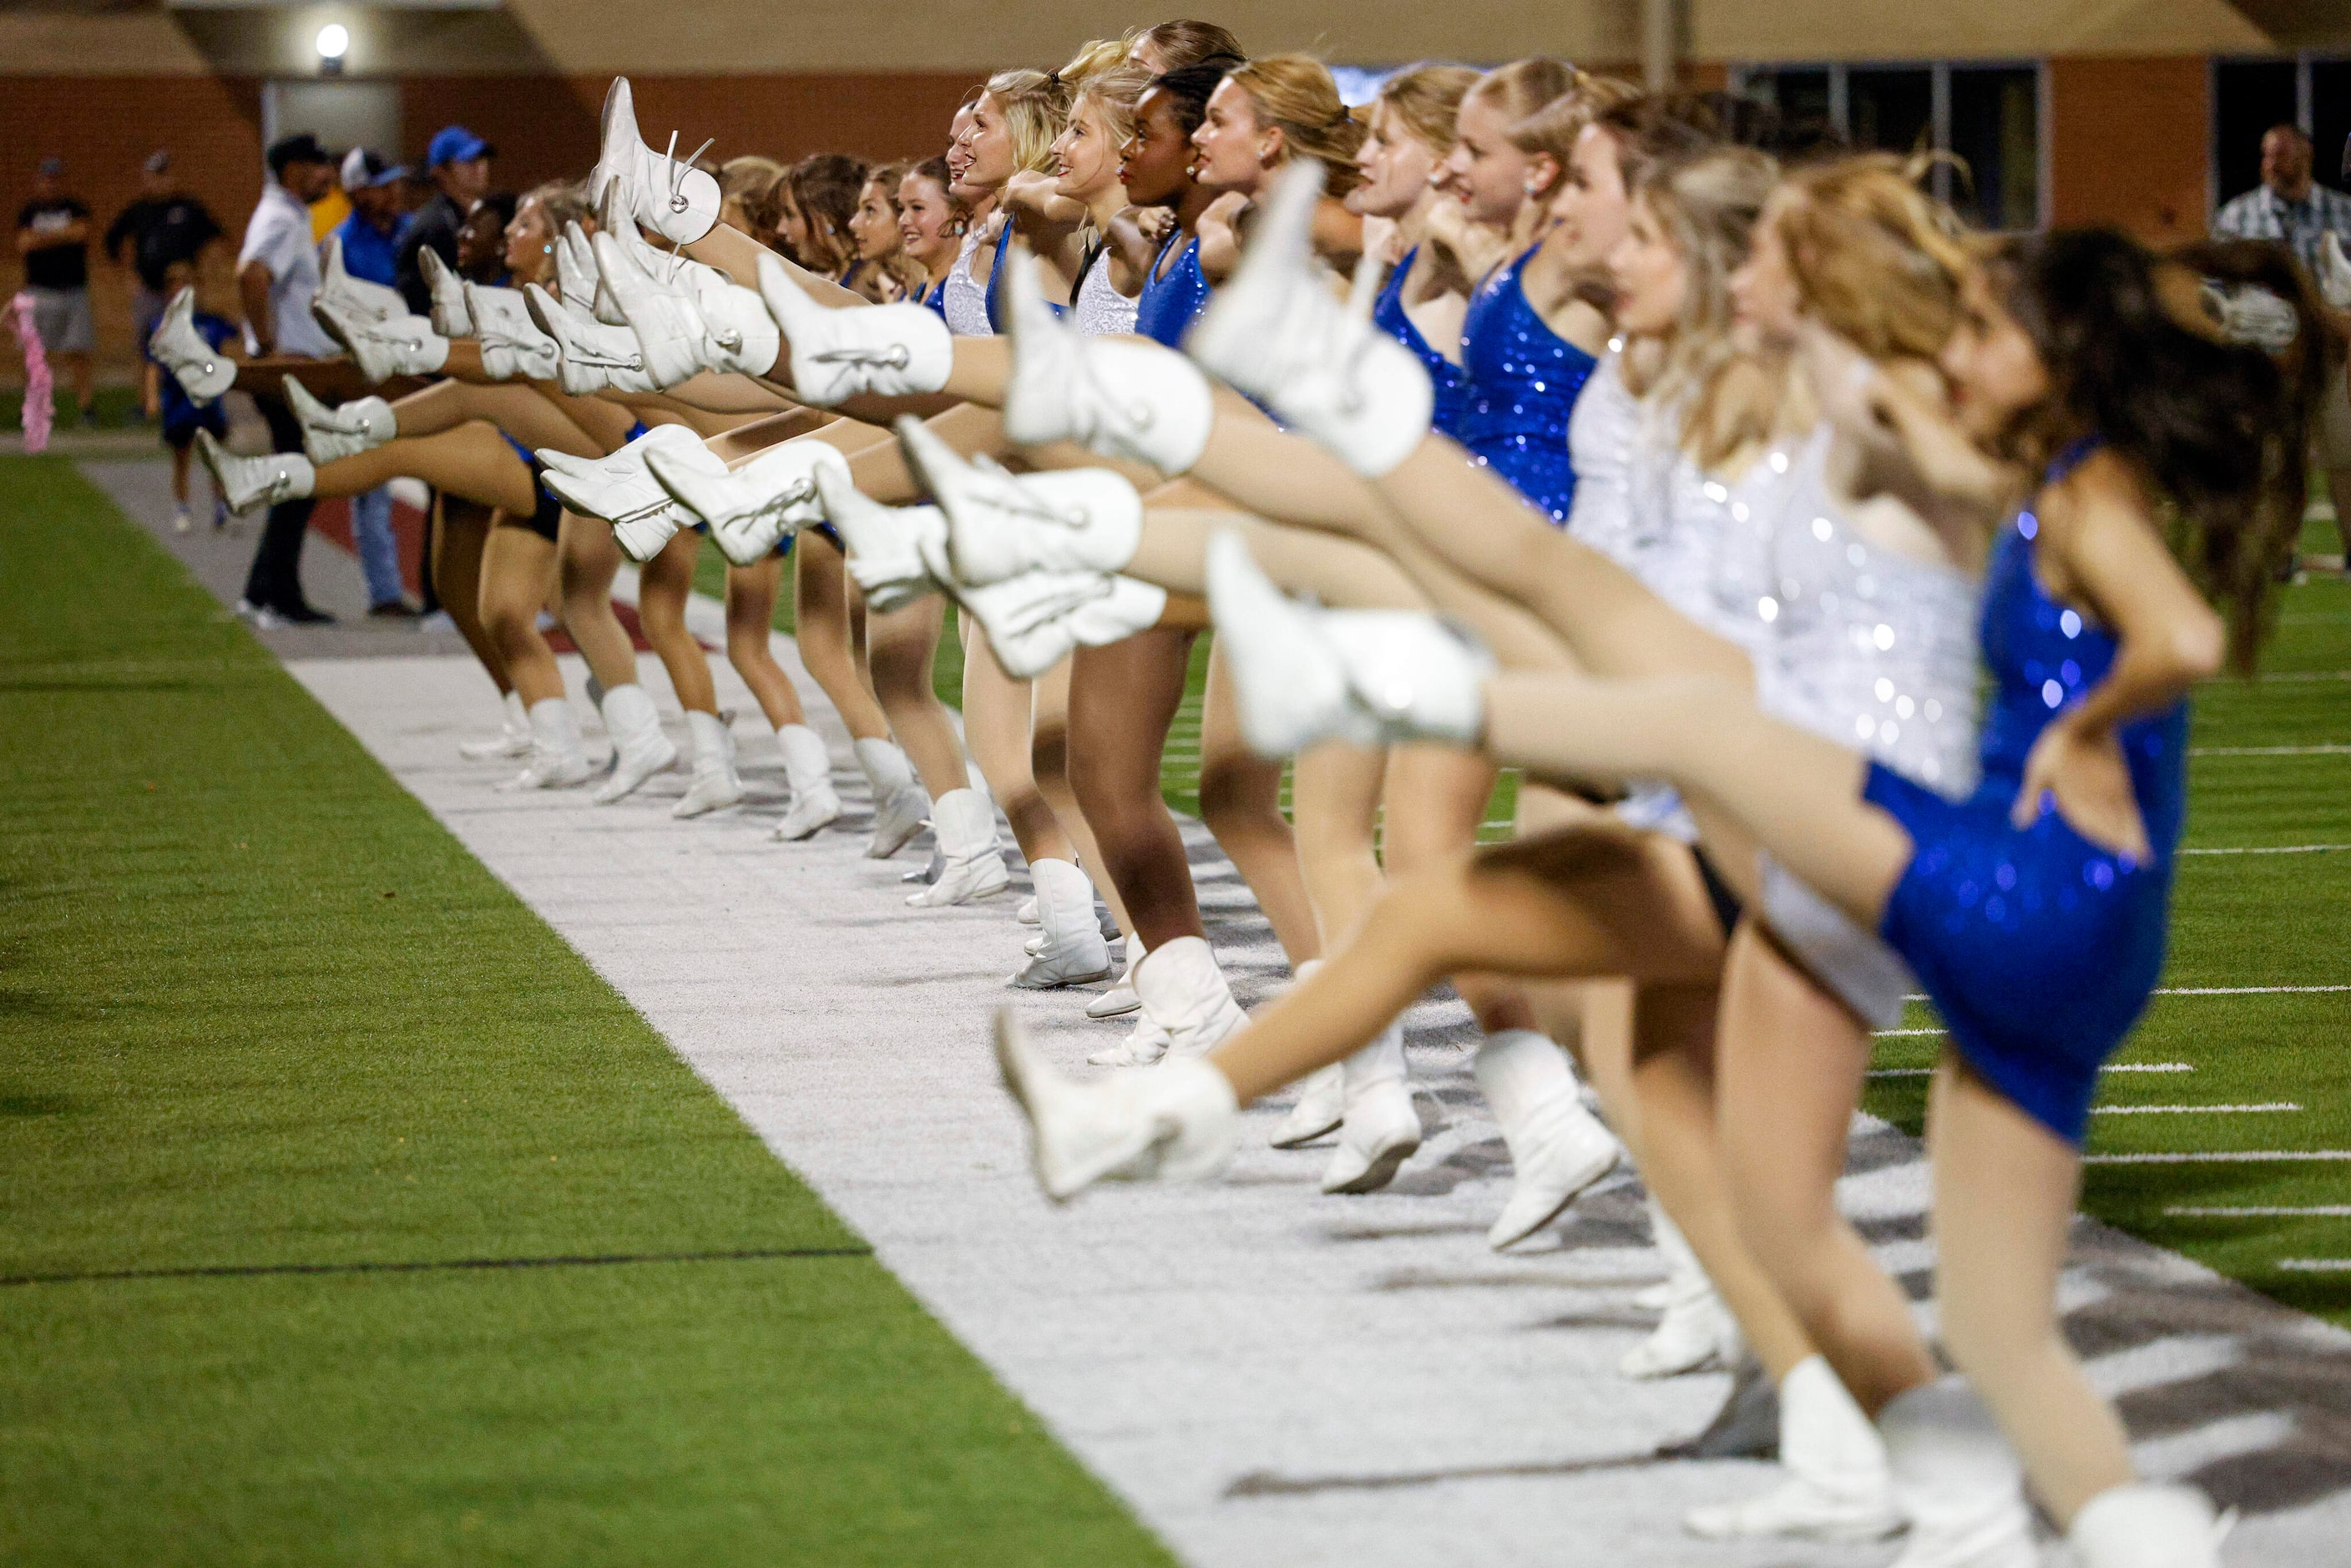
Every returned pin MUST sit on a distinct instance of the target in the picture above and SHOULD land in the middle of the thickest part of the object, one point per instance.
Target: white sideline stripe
(2178, 991)
(2190, 1110)
(2243, 1156)
(2109, 1067)
(2316, 1265)
(2330, 748)
(2271, 850)
(2260, 1211)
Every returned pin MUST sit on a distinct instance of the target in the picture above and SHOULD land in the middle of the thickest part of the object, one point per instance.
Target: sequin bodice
(1101, 310)
(964, 299)
(1520, 381)
(1871, 649)
(2043, 657)
(1389, 315)
(1164, 310)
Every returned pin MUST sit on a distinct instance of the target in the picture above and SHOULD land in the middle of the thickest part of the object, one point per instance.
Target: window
(1986, 118)
(2250, 95)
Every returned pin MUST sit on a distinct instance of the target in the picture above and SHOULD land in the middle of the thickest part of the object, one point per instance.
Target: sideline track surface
(259, 1013)
(1262, 1384)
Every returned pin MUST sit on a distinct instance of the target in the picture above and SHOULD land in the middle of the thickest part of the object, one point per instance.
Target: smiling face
(1592, 206)
(991, 158)
(1650, 276)
(1234, 149)
(1085, 159)
(527, 241)
(1155, 165)
(875, 224)
(1396, 167)
(1995, 370)
(1484, 172)
(1763, 289)
(958, 153)
(927, 221)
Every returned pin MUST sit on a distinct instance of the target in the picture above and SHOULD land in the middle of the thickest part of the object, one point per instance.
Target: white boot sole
(964, 884)
(1798, 1512)
(1533, 1206)
(629, 775)
(698, 801)
(1114, 1003)
(808, 818)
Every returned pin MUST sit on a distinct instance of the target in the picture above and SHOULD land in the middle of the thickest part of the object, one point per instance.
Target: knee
(1232, 800)
(1049, 754)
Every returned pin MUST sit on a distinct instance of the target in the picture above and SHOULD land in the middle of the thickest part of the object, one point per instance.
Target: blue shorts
(181, 433)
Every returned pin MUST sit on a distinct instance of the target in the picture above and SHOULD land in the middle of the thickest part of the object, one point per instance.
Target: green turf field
(351, 1218)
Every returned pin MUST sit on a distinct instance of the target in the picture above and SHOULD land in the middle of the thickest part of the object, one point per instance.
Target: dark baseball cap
(289, 151)
(455, 144)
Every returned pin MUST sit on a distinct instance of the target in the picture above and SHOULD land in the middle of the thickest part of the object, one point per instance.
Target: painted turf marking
(2260, 1211)
(2176, 991)
(2271, 850)
(2190, 1110)
(2110, 1067)
(2330, 748)
(2316, 1265)
(2239, 1157)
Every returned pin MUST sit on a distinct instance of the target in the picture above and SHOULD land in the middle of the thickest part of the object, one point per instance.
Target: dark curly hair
(2218, 427)
(1190, 87)
(825, 187)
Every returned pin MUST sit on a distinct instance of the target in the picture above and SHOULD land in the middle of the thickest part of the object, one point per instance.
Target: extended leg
(460, 533)
(1240, 801)
(516, 567)
(1122, 699)
(663, 585)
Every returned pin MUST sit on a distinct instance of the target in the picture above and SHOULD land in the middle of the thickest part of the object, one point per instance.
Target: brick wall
(2130, 140)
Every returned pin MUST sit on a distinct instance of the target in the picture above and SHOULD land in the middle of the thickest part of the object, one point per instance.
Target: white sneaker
(344, 431)
(1000, 525)
(892, 549)
(1557, 1147)
(1381, 1127)
(2148, 1526)
(1179, 1124)
(621, 488)
(203, 372)
(1117, 397)
(250, 484)
(1957, 1481)
(715, 785)
(1141, 1046)
(756, 507)
(591, 358)
(1370, 678)
(889, 350)
(393, 346)
(681, 331)
(1837, 1485)
(449, 314)
(965, 822)
(640, 749)
(513, 738)
(514, 346)
(1070, 950)
(1185, 994)
(371, 302)
(664, 192)
(558, 759)
(1275, 330)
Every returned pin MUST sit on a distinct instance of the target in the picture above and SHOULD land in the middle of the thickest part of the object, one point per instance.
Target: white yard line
(2190, 1110)
(2232, 1157)
(2271, 850)
(2203, 1211)
(2316, 1265)
(2109, 1067)
(2331, 749)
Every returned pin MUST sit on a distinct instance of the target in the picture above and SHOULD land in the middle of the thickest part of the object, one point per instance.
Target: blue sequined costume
(2039, 947)
(1164, 310)
(1443, 376)
(1521, 381)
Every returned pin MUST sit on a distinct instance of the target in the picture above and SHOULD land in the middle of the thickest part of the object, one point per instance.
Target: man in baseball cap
(369, 242)
(459, 164)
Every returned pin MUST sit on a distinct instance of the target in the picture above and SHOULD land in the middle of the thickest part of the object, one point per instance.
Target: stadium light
(334, 43)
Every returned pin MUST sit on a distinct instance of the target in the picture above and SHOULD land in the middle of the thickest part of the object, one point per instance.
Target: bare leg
(1436, 804)
(588, 561)
(1048, 764)
(902, 644)
(2004, 1193)
(750, 619)
(1335, 795)
(663, 585)
(995, 729)
(472, 461)
(517, 566)
(1122, 700)
(517, 408)
(459, 536)
(821, 627)
(1240, 801)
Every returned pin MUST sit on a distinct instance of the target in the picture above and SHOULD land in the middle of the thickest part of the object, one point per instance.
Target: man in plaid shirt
(2289, 205)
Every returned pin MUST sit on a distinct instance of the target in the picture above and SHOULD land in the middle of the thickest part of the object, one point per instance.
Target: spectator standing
(53, 236)
(164, 226)
(370, 238)
(2291, 206)
(182, 416)
(277, 277)
(459, 164)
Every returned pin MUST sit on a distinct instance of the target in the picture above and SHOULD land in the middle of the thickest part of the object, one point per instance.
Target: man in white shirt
(277, 274)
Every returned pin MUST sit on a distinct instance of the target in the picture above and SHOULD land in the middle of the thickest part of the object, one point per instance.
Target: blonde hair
(1114, 93)
(1180, 43)
(1425, 100)
(1522, 87)
(1553, 127)
(1034, 104)
(1875, 257)
(1093, 59)
(751, 182)
(1296, 94)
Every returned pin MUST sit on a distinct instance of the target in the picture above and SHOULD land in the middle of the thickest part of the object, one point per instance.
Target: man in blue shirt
(371, 240)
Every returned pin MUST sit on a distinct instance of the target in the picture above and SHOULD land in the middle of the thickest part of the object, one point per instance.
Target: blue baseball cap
(455, 144)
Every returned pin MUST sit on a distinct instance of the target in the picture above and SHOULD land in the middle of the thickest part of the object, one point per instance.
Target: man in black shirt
(164, 226)
(53, 236)
(459, 162)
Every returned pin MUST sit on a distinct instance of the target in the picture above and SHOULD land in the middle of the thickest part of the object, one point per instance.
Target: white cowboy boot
(342, 432)
(666, 194)
(1838, 1487)
(1380, 1127)
(1186, 995)
(890, 350)
(248, 483)
(449, 315)
(513, 738)
(558, 757)
(640, 749)
(1369, 677)
(203, 372)
(514, 346)
(371, 301)
(1557, 1147)
(964, 821)
(1000, 525)
(890, 547)
(754, 508)
(683, 332)
(393, 346)
(1697, 1332)
(1117, 397)
(1178, 1124)
(577, 281)
(592, 358)
(2145, 1525)
(900, 806)
(808, 769)
(715, 785)
(1277, 332)
(1035, 619)
(1073, 952)
(621, 488)
(1957, 1481)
